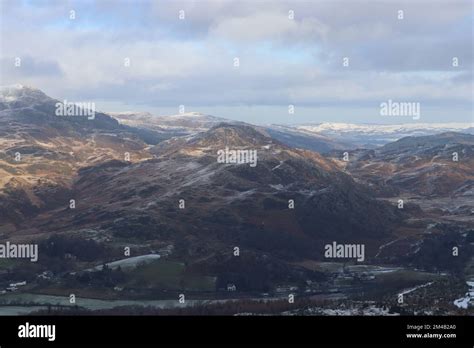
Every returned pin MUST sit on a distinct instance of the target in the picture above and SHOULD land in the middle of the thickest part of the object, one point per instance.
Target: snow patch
(130, 262)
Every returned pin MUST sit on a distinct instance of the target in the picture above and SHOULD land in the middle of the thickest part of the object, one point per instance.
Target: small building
(46, 275)
(166, 251)
(281, 289)
(231, 287)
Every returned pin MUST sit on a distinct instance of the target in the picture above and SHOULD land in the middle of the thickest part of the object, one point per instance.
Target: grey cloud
(190, 62)
(29, 67)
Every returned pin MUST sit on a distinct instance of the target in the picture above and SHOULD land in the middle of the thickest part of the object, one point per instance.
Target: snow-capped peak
(190, 114)
(22, 93)
(379, 134)
(384, 128)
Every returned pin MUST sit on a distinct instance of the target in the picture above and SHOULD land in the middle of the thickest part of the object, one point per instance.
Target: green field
(168, 275)
(6, 263)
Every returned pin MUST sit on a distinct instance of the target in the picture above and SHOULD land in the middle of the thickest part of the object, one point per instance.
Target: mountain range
(150, 182)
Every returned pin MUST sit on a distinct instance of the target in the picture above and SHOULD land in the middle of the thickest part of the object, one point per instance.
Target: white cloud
(282, 60)
(268, 26)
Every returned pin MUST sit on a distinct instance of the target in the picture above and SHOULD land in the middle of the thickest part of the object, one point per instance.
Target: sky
(126, 55)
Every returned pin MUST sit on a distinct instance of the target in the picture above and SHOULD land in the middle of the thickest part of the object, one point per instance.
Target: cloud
(282, 60)
(27, 66)
(268, 27)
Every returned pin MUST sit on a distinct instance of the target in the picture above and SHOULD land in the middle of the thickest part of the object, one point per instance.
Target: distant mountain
(41, 152)
(28, 105)
(19, 96)
(372, 135)
(323, 137)
(435, 165)
(193, 122)
(186, 123)
(304, 139)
